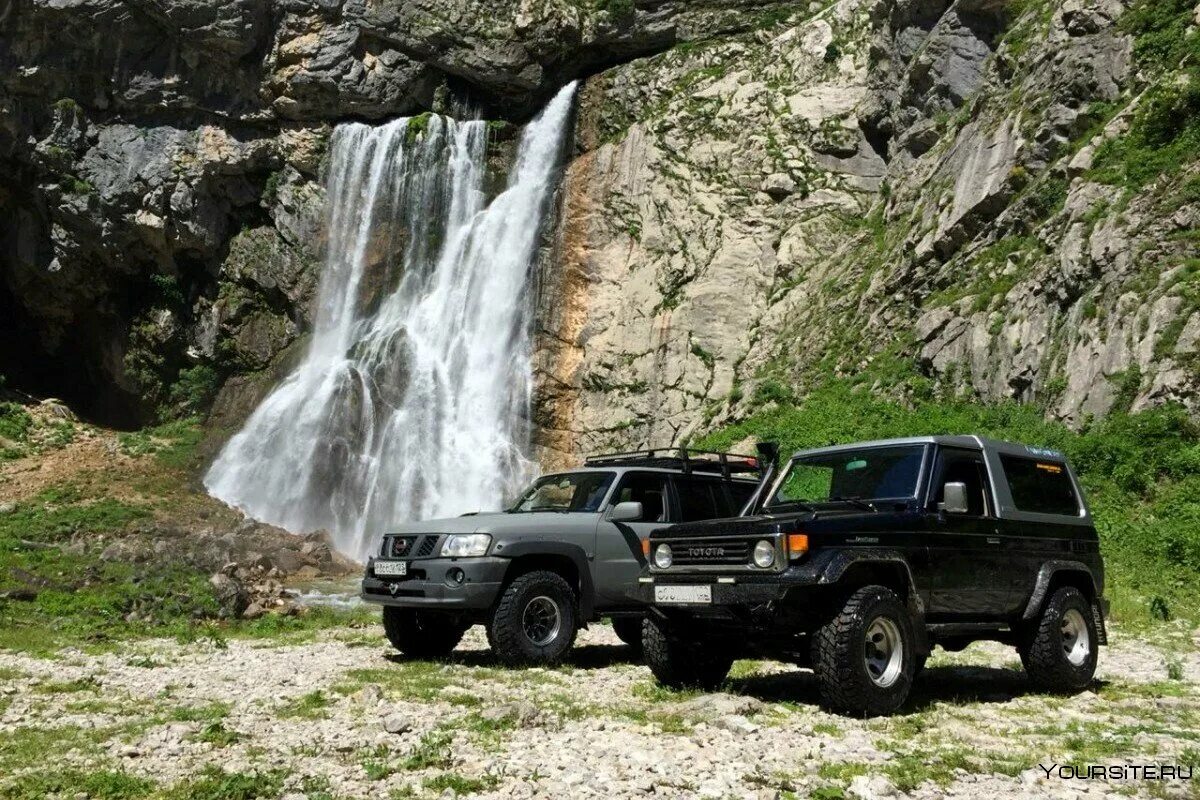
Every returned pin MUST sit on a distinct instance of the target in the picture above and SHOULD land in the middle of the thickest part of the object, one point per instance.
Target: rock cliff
(999, 198)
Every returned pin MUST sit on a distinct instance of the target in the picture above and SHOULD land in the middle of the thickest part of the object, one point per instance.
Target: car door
(966, 553)
(619, 557)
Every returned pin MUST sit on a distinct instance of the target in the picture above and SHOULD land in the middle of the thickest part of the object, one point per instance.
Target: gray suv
(567, 553)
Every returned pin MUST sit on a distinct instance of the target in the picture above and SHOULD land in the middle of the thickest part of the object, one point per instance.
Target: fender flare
(1041, 587)
(835, 568)
(842, 560)
(514, 550)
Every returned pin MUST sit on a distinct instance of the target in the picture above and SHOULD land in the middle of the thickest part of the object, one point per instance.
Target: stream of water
(413, 399)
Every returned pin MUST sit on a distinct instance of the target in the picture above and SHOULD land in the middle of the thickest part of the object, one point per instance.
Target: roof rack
(680, 458)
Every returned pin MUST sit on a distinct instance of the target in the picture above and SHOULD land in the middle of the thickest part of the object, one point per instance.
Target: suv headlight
(468, 544)
(663, 557)
(764, 554)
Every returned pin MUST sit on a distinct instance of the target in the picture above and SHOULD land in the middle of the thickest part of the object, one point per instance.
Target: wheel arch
(565, 559)
(1054, 575)
(850, 571)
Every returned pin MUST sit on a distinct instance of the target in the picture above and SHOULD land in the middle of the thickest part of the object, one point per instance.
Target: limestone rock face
(862, 182)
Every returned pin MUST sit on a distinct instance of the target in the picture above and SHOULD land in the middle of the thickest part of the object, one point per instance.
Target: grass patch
(313, 705)
(101, 785)
(433, 751)
(214, 783)
(460, 784)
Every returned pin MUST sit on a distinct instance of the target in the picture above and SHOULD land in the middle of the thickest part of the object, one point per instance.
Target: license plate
(391, 568)
(683, 594)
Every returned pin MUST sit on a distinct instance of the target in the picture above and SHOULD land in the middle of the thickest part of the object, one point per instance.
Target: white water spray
(413, 399)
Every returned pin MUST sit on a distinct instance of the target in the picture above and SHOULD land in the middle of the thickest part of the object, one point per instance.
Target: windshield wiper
(855, 501)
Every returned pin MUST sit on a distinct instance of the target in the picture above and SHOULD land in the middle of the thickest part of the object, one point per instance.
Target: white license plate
(683, 594)
(391, 568)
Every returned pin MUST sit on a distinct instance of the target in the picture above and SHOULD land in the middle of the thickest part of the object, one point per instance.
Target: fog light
(663, 556)
(455, 576)
(764, 554)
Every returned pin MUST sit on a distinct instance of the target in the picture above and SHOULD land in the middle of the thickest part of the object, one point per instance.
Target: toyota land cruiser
(857, 559)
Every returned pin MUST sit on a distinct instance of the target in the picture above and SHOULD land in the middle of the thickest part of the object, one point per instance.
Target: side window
(697, 499)
(1042, 487)
(957, 466)
(648, 489)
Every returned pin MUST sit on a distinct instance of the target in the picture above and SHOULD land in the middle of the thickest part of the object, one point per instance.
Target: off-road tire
(421, 634)
(1042, 647)
(629, 631)
(679, 663)
(507, 630)
(838, 647)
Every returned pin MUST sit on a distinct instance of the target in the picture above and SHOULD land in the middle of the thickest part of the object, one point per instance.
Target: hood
(493, 522)
(839, 514)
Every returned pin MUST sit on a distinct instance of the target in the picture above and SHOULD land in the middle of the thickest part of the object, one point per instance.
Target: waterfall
(413, 398)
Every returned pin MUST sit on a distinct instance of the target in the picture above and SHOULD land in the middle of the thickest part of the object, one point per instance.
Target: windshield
(574, 491)
(871, 473)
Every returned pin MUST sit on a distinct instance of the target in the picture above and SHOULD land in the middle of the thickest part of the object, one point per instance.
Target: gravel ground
(339, 715)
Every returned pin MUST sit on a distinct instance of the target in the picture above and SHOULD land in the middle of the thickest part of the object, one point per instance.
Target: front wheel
(421, 634)
(1059, 651)
(682, 663)
(535, 620)
(864, 658)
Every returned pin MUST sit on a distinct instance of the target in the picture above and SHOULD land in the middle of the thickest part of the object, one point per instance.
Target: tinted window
(579, 491)
(864, 474)
(968, 469)
(1043, 487)
(648, 489)
(698, 499)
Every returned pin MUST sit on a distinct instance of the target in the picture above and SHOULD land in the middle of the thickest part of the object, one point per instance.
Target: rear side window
(1042, 487)
(699, 499)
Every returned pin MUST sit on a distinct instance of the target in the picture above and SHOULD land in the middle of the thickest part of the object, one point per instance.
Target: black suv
(857, 559)
(567, 552)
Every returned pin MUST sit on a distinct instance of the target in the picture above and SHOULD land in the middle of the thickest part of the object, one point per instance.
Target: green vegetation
(1164, 133)
(104, 785)
(311, 706)
(460, 784)
(214, 783)
(174, 443)
(1141, 472)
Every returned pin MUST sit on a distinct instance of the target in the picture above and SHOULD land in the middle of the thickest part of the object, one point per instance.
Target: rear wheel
(629, 630)
(1059, 650)
(864, 658)
(682, 663)
(422, 634)
(535, 621)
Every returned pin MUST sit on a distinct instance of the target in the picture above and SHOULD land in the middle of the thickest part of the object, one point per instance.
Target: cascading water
(412, 401)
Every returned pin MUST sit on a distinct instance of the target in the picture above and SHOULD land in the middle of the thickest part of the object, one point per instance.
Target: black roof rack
(680, 458)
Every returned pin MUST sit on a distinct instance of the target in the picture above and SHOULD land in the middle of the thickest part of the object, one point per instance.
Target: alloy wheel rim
(1076, 639)
(883, 652)
(541, 620)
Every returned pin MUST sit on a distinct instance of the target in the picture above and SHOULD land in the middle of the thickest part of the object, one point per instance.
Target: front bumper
(429, 584)
(726, 590)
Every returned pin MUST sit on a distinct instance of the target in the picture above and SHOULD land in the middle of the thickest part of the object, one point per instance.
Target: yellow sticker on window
(1052, 468)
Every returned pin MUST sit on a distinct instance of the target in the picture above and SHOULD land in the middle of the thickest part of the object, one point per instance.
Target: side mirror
(954, 499)
(626, 512)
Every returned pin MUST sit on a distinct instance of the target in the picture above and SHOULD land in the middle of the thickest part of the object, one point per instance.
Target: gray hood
(496, 522)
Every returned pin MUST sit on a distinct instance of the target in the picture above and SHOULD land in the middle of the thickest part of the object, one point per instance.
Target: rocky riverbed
(338, 714)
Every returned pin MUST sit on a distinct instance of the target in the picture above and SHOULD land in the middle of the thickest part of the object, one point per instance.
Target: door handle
(993, 540)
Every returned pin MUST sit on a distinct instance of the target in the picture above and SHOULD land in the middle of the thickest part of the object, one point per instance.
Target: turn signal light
(646, 547)
(797, 544)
